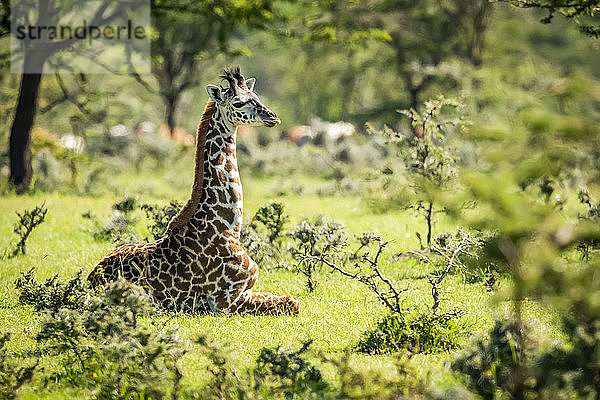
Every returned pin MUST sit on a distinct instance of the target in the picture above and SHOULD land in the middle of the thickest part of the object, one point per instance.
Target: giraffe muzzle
(271, 122)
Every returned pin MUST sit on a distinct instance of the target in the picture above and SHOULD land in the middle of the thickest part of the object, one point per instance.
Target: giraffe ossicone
(200, 264)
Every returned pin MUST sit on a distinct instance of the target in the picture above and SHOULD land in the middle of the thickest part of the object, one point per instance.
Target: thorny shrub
(586, 247)
(416, 332)
(258, 247)
(280, 373)
(106, 347)
(412, 330)
(314, 239)
(13, 373)
(425, 162)
(119, 227)
(289, 373)
(159, 217)
(27, 221)
(273, 218)
(52, 295)
(491, 365)
(99, 339)
(262, 237)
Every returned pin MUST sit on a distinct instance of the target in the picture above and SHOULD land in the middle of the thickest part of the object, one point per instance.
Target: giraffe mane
(188, 210)
(235, 79)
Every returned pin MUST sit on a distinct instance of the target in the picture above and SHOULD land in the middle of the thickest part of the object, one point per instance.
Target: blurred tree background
(357, 61)
(486, 114)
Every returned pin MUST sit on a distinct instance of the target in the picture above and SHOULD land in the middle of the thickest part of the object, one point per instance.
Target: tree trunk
(429, 217)
(482, 13)
(171, 107)
(20, 132)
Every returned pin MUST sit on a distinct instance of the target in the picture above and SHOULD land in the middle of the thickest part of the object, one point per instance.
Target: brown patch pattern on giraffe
(200, 263)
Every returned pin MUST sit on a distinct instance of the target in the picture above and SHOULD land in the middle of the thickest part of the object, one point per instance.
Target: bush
(574, 366)
(160, 217)
(296, 374)
(119, 228)
(314, 239)
(592, 215)
(13, 375)
(257, 247)
(224, 382)
(52, 295)
(27, 222)
(104, 346)
(425, 158)
(273, 218)
(287, 373)
(491, 366)
(318, 236)
(262, 237)
(416, 332)
(471, 253)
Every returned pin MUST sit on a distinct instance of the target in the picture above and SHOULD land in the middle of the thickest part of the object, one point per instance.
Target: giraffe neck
(221, 202)
(216, 203)
(188, 210)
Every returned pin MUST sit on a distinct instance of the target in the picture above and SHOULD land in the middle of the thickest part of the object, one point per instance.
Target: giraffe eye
(239, 104)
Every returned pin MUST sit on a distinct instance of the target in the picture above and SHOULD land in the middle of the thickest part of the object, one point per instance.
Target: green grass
(334, 316)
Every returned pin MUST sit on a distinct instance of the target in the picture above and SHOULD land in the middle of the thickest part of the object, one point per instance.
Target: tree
(362, 60)
(191, 34)
(427, 34)
(427, 159)
(574, 10)
(34, 58)
(344, 31)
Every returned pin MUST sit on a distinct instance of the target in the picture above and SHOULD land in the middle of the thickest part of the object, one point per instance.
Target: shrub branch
(389, 294)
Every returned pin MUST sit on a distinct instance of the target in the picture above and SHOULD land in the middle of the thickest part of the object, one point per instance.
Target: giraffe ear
(214, 92)
(250, 83)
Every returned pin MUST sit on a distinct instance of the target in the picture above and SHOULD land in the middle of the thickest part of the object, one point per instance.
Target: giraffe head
(238, 102)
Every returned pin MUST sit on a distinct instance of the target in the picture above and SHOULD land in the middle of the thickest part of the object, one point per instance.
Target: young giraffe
(200, 262)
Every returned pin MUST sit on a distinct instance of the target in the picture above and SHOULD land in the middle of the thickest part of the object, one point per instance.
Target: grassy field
(334, 316)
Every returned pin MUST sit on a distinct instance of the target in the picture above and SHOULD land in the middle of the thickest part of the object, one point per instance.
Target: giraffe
(199, 264)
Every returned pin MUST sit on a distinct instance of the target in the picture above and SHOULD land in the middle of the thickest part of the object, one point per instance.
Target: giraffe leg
(233, 293)
(256, 303)
(265, 303)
